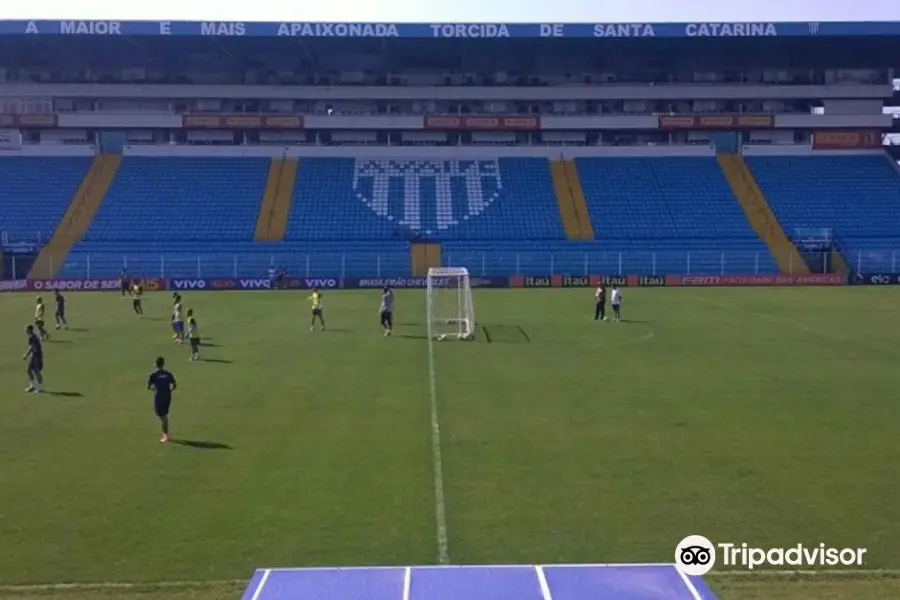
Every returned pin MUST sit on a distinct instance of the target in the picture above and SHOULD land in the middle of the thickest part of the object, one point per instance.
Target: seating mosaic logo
(427, 196)
(696, 555)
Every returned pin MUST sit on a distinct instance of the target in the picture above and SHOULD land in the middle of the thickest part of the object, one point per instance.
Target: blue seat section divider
(856, 196)
(35, 193)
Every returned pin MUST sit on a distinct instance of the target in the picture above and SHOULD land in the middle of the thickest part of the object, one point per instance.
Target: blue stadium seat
(858, 197)
(650, 215)
(195, 217)
(189, 217)
(35, 193)
(181, 199)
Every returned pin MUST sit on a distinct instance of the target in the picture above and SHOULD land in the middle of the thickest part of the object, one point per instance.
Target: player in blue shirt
(61, 322)
(35, 358)
(162, 383)
(124, 282)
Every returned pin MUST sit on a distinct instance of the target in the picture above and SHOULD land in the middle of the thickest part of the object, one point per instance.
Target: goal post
(451, 312)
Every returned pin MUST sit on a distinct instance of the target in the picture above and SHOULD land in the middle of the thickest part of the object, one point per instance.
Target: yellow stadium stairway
(570, 197)
(837, 262)
(78, 217)
(276, 203)
(760, 214)
(423, 256)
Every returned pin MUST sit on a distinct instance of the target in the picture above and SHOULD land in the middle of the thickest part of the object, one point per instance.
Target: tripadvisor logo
(695, 555)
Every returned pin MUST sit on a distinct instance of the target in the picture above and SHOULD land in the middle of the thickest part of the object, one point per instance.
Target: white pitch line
(542, 581)
(407, 580)
(262, 584)
(691, 588)
(440, 513)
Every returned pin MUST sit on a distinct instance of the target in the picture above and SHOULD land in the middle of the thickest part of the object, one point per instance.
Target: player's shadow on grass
(219, 361)
(503, 334)
(66, 394)
(156, 319)
(634, 321)
(411, 336)
(202, 445)
(209, 345)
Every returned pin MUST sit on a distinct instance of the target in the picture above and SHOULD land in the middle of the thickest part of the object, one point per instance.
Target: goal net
(451, 313)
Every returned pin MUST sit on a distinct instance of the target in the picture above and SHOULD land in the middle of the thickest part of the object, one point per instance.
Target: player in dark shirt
(387, 311)
(61, 322)
(162, 383)
(600, 303)
(193, 334)
(124, 282)
(35, 358)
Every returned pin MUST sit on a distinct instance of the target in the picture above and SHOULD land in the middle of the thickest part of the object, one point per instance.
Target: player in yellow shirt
(39, 310)
(316, 299)
(137, 291)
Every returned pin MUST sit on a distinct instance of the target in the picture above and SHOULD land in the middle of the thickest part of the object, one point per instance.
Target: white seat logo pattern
(480, 178)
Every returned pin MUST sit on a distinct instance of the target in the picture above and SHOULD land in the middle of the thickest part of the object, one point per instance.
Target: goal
(451, 313)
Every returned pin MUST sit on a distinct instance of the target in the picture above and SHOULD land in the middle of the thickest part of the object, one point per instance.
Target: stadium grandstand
(219, 151)
(379, 150)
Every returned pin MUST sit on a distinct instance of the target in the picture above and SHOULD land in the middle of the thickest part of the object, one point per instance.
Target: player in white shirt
(617, 303)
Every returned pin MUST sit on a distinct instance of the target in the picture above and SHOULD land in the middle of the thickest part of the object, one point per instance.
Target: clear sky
(506, 11)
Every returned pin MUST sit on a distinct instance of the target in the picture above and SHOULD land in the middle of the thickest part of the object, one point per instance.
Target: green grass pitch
(761, 415)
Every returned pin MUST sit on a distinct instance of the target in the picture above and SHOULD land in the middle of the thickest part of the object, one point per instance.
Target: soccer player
(177, 323)
(124, 283)
(387, 311)
(193, 334)
(600, 303)
(162, 383)
(35, 358)
(316, 299)
(60, 315)
(39, 311)
(137, 290)
(617, 303)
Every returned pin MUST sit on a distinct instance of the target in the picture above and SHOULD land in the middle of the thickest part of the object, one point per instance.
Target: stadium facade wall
(50, 150)
(586, 92)
(419, 152)
(337, 122)
(432, 152)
